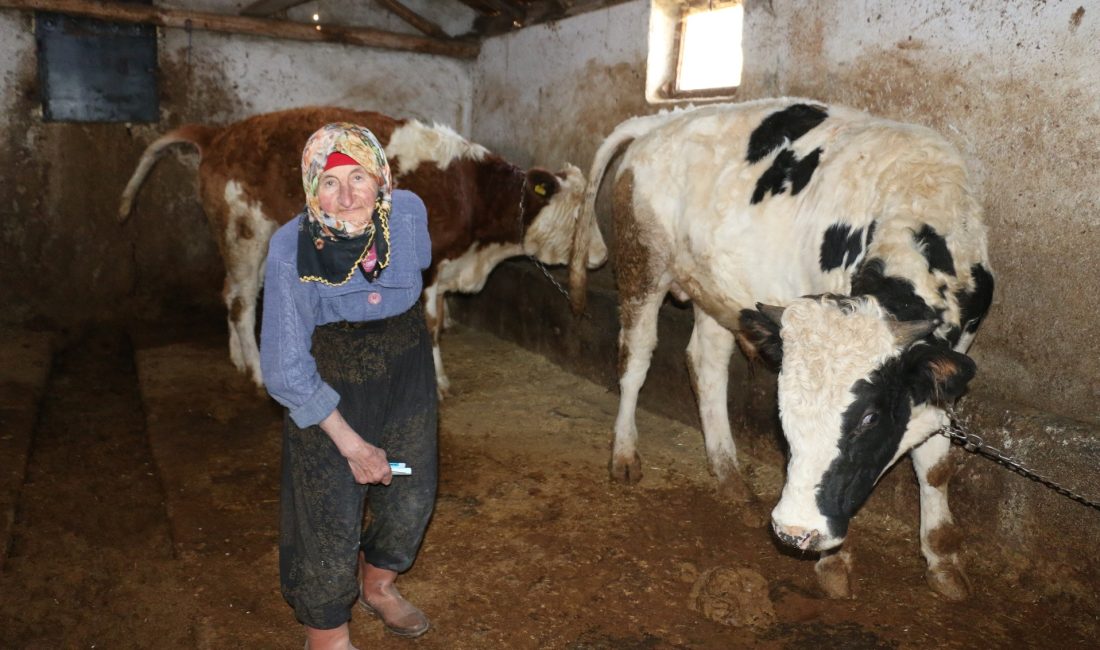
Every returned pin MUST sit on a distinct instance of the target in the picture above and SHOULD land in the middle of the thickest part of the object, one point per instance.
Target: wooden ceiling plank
(264, 8)
(416, 20)
(177, 18)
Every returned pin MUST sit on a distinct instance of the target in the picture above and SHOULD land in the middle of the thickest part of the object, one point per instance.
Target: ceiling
(490, 17)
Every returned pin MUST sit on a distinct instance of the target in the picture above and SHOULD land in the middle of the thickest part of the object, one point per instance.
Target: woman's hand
(368, 463)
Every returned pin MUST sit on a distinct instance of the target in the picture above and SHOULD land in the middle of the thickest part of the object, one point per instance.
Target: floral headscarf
(327, 251)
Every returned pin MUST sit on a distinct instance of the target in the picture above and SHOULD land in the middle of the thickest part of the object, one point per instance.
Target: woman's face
(347, 193)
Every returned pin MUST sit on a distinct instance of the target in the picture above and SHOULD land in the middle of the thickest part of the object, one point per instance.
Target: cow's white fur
(692, 215)
(415, 142)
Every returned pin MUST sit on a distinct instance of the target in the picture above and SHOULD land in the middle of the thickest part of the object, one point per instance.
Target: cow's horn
(910, 331)
(772, 312)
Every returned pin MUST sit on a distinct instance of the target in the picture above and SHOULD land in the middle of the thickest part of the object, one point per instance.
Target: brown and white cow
(481, 208)
(866, 238)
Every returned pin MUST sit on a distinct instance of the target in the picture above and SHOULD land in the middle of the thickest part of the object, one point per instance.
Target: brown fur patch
(624, 354)
(235, 310)
(244, 230)
(633, 271)
(941, 473)
(942, 369)
(945, 540)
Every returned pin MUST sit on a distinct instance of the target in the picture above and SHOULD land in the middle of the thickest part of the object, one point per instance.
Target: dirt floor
(147, 519)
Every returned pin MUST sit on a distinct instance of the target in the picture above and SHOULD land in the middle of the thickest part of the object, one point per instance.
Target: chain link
(957, 431)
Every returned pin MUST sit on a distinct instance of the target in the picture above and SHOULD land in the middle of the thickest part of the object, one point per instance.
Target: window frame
(669, 91)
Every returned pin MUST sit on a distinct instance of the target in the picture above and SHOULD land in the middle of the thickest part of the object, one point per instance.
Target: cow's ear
(758, 336)
(542, 183)
(938, 375)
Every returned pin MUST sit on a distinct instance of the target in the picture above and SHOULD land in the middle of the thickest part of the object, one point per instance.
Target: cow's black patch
(773, 178)
(896, 295)
(934, 248)
(974, 304)
(937, 374)
(840, 246)
(803, 170)
(871, 232)
(782, 126)
(875, 421)
(758, 337)
(786, 169)
(871, 429)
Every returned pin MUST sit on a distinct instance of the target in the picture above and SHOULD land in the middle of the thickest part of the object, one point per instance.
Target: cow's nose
(796, 536)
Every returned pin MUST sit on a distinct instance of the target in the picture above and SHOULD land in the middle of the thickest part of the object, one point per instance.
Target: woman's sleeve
(289, 370)
(421, 236)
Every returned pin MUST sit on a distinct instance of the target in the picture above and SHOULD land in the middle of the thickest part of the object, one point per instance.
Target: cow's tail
(197, 135)
(623, 135)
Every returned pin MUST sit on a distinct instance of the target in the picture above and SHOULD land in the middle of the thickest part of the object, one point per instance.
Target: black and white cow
(865, 237)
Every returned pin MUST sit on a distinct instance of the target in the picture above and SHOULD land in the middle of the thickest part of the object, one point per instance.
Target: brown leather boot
(338, 638)
(379, 596)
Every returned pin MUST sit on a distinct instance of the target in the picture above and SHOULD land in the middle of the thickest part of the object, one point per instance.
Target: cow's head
(550, 207)
(857, 389)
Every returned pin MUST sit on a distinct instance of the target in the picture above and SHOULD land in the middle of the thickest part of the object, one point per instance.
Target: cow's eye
(869, 420)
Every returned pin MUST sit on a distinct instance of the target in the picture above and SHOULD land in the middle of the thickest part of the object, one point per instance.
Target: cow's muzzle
(805, 539)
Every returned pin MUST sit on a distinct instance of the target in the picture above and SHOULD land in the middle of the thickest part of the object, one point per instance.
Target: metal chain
(973, 443)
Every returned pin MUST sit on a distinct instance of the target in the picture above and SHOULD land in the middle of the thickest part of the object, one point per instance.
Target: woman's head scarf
(328, 250)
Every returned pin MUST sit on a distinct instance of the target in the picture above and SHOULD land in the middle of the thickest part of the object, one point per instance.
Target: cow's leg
(939, 536)
(241, 290)
(708, 354)
(637, 338)
(435, 313)
(245, 238)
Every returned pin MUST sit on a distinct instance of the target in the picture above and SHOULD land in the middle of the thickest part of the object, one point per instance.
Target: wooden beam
(263, 8)
(165, 17)
(416, 20)
(514, 13)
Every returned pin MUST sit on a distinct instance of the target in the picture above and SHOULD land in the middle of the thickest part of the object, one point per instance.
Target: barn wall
(1013, 85)
(68, 261)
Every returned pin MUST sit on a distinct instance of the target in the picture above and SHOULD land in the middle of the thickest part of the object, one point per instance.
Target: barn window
(95, 71)
(694, 49)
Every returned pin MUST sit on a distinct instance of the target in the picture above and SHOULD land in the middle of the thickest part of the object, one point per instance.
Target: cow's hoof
(949, 581)
(734, 489)
(834, 575)
(626, 469)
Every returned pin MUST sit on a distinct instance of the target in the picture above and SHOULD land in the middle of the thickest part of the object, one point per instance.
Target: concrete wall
(68, 260)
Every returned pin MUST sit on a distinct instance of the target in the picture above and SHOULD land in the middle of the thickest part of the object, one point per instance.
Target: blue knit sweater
(293, 308)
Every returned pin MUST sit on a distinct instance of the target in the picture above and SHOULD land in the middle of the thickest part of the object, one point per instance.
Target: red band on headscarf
(337, 159)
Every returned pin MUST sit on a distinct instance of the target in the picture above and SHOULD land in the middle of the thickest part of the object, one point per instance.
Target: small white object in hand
(400, 469)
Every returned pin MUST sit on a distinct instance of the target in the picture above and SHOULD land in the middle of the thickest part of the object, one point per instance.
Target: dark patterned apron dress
(385, 375)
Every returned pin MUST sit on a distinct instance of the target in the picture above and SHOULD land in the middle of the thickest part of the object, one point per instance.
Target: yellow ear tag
(540, 189)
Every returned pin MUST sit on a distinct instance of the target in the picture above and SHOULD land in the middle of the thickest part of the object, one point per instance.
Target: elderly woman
(345, 349)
